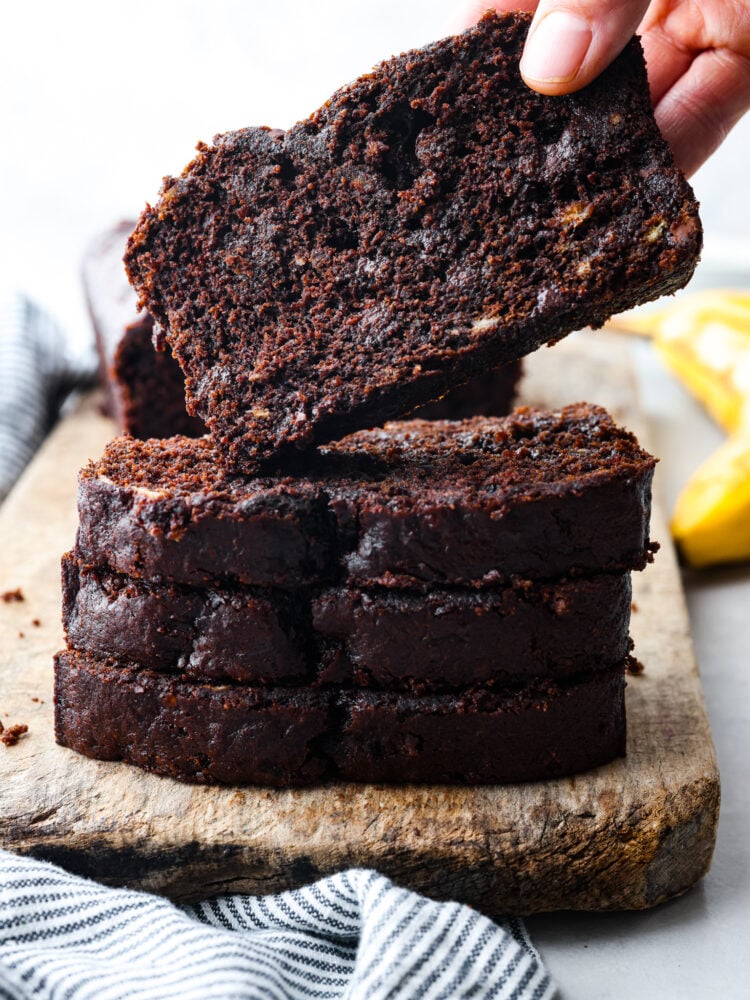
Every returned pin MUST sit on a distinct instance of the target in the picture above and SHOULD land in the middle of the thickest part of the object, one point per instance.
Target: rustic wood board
(627, 835)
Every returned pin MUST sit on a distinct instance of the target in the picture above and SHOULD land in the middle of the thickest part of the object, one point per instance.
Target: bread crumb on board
(10, 596)
(12, 734)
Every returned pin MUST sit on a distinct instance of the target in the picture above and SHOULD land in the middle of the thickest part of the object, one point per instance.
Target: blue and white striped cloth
(354, 935)
(37, 371)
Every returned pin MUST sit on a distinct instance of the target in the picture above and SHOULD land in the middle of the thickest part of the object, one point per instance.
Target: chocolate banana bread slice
(536, 495)
(432, 220)
(145, 388)
(239, 735)
(398, 640)
(418, 504)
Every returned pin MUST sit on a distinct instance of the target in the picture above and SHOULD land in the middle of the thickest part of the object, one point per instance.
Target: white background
(99, 100)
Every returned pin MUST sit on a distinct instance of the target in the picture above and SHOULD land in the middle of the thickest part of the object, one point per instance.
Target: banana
(704, 339)
(711, 520)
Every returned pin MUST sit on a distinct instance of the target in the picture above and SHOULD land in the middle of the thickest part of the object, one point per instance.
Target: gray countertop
(98, 101)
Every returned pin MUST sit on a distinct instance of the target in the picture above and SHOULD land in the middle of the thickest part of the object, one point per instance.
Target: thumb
(571, 41)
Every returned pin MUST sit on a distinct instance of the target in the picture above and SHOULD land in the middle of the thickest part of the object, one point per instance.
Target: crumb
(39, 701)
(634, 667)
(36, 622)
(12, 595)
(633, 606)
(21, 635)
(13, 734)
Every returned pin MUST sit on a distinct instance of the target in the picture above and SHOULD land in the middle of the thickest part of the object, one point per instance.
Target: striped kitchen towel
(353, 935)
(37, 371)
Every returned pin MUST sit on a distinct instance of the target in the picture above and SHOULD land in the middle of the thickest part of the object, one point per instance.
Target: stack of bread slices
(434, 602)
(441, 601)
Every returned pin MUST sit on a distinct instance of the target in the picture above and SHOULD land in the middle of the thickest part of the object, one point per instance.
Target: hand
(697, 52)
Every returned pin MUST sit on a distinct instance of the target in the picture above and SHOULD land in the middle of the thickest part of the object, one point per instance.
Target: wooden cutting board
(627, 835)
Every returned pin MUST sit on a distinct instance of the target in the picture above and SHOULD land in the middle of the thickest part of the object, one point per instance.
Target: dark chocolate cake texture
(145, 387)
(291, 736)
(432, 220)
(442, 602)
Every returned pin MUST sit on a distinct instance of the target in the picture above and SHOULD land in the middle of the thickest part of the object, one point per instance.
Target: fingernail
(556, 48)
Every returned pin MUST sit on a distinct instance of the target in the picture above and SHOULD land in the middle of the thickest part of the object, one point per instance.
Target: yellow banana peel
(704, 339)
(711, 521)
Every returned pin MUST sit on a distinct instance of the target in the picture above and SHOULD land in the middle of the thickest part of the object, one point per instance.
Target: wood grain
(627, 835)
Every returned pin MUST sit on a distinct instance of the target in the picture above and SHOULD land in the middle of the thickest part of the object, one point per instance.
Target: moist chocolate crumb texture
(487, 501)
(434, 219)
(455, 638)
(285, 737)
(145, 388)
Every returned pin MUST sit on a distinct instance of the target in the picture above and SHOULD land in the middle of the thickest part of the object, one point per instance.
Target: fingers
(572, 41)
(674, 34)
(666, 61)
(698, 57)
(697, 113)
